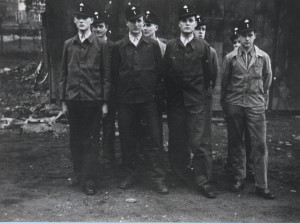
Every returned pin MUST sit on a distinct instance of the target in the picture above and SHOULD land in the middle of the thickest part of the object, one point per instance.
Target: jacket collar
(237, 53)
(90, 38)
(127, 41)
(192, 42)
(258, 52)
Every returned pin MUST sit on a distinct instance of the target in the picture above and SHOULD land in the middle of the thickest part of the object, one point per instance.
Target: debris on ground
(36, 125)
(4, 70)
(130, 200)
(25, 107)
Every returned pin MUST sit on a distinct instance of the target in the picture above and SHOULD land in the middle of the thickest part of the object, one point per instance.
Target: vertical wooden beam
(277, 6)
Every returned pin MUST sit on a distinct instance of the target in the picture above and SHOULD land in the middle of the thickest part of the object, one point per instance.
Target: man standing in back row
(100, 28)
(150, 28)
(188, 75)
(246, 80)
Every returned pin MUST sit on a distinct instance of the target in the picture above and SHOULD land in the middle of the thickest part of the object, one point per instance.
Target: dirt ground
(34, 168)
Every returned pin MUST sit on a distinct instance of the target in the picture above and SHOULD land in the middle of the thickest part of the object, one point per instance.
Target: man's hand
(104, 110)
(210, 91)
(64, 108)
(266, 96)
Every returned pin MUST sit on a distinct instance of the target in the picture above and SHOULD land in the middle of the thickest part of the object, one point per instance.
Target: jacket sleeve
(267, 79)
(267, 74)
(214, 68)
(166, 68)
(225, 78)
(63, 73)
(159, 66)
(207, 67)
(106, 62)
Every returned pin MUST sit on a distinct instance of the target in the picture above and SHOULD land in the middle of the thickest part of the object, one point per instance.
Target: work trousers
(190, 131)
(253, 118)
(130, 116)
(84, 119)
(108, 126)
(248, 148)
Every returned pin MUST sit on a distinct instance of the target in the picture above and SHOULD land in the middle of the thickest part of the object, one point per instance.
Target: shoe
(74, 180)
(161, 188)
(250, 177)
(89, 188)
(237, 186)
(265, 193)
(127, 182)
(206, 191)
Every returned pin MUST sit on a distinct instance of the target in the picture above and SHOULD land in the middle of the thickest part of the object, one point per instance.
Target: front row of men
(138, 75)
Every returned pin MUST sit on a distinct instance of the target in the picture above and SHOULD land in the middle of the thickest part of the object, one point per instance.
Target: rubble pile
(21, 105)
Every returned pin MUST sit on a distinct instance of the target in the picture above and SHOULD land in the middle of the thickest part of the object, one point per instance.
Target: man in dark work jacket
(84, 93)
(188, 75)
(136, 62)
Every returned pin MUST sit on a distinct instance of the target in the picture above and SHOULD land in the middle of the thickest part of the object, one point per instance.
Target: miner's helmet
(245, 25)
(200, 21)
(133, 12)
(151, 17)
(83, 9)
(186, 11)
(235, 34)
(100, 17)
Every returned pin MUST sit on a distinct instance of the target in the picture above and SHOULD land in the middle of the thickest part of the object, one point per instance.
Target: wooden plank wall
(277, 33)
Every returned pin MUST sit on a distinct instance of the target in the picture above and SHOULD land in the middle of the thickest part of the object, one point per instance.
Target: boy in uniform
(136, 64)
(188, 76)
(84, 93)
(246, 80)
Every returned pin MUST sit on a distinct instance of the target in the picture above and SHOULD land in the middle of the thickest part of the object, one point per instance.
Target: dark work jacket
(85, 70)
(187, 72)
(136, 70)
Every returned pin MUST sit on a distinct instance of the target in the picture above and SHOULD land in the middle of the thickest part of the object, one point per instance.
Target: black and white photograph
(150, 111)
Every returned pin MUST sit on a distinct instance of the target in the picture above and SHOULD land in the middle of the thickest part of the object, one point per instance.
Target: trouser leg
(85, 120)
(249, 154)
(153, 149)
(91, 127)
(179, 156)
(108, 126)
(236, 126)
(228, 166)
(76, 147)
(127, 125)
(199, 140)
(256, 123)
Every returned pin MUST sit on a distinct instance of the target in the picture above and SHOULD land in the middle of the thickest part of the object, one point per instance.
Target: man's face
(247, 39)
(188, 24)
(200, 31)
(83, 23)
(149, 29)
(99, 29)
(135, 26)
(236, 43)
